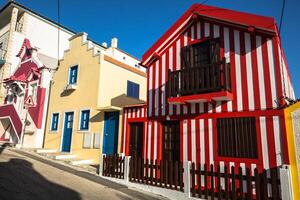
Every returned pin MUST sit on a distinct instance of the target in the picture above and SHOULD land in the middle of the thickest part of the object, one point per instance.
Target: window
(73, 74)
(237, 137)
(33, 91)
(133, 90)
(84, 120)
(201, 54)
(54, 122)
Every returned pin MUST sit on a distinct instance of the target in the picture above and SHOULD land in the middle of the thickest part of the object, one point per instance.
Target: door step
(82, 162)
(43, 151)
(64, 156)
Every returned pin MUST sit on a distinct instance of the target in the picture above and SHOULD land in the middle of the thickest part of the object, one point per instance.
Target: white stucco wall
(44, 36)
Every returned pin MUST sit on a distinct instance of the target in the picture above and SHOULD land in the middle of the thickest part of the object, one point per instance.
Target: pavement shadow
(18, 180)
(3, 146)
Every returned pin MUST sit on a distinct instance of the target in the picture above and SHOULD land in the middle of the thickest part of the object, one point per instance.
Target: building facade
(22, 117)
(91, 86)
(18, 23)
(216, 82)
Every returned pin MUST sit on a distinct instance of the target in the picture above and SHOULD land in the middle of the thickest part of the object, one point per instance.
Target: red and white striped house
(216, 81)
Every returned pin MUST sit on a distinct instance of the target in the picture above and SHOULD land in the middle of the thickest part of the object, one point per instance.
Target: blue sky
(138, 24)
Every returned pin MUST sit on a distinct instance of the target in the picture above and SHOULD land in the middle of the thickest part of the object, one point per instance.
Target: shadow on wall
(18, 180)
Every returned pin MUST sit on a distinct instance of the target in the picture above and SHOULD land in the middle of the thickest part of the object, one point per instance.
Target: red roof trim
(263, 23)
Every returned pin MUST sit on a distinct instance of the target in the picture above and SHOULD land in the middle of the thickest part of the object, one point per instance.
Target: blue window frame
(133, 89)
(54, 122)
(73, 74)
(84, 120)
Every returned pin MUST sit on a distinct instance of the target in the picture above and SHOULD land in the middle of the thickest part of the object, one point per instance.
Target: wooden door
(171, 141)
(111, 128)
(67, 135)
(136, 139)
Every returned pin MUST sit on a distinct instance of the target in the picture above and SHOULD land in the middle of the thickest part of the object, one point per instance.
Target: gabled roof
(266, 24)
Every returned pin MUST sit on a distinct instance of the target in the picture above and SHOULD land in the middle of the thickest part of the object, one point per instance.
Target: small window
(237, 137)
(84, 120)
(133, 90)
(73, 75)
(54, 122)
(33, 91)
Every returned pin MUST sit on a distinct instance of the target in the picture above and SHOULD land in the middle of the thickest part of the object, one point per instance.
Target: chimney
(104, 44)
(114, 42)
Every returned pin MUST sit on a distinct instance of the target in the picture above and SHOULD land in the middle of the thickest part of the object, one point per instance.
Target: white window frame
(50, 128)
(79, 120)
(29, 90)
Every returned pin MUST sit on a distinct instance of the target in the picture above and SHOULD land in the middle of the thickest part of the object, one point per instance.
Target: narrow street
(24, 176)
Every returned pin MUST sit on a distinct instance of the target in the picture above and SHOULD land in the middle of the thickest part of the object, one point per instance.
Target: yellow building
(292, 122)
(89, 89)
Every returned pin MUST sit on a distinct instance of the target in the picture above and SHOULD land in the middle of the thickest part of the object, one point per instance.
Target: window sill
(70, 87)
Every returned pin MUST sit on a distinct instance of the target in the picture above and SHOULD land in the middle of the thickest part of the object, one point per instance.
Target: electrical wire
(58, 31)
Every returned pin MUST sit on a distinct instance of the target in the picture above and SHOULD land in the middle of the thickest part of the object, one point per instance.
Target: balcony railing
(198, 80)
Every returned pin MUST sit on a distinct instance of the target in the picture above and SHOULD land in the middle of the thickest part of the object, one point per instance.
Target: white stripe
(150, 90)
(227, 57)
(163, 85)
(280, 63)
(238, 75)
(185, 109)
(216, 31)
(143, 113)
(185, 141)
(193, 108)
(193, 132)
(218, 107)
(249, 71)
(156, 88)
(178, 68)
(149, 140)
(171, 69)
(201, 107)
(155, 141)
(124, 133)
(276, 125)
(198, 30)
(138, 113)
(211, 142)
(206, 31)
(185, 39)
(192, 32)
(129, 113)
(210, 109)
(202, 142)
(133, 112)
(261, 77)
(253, 167)
(264, 142)
(272, 72)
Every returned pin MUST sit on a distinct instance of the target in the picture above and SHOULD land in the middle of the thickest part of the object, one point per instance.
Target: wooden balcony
(203, 83)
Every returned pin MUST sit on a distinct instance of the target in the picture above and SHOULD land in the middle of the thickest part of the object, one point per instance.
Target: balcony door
(171, 141)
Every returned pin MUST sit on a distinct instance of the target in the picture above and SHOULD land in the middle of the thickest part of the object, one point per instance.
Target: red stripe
(166, 81)
(271, 142)
(159, 132)
(268, 92)
(244, 72)
(144, 139)
(232, 64)
(181, 140)
(159, 88)
(222, 55)
(255, 73)
(152, 140)
(153, 88)
(123, 128)
(259, 145)
(181, 45)
(284, 144)
(174, 67)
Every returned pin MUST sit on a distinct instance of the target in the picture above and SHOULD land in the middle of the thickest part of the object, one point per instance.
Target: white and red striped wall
(259, 79)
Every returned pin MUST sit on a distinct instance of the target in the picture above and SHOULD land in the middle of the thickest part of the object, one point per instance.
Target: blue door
(67, 134)
(110, 137)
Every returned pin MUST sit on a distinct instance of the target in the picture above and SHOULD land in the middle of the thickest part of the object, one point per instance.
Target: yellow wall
(98, 82)
(292, 150)
(84, 97)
